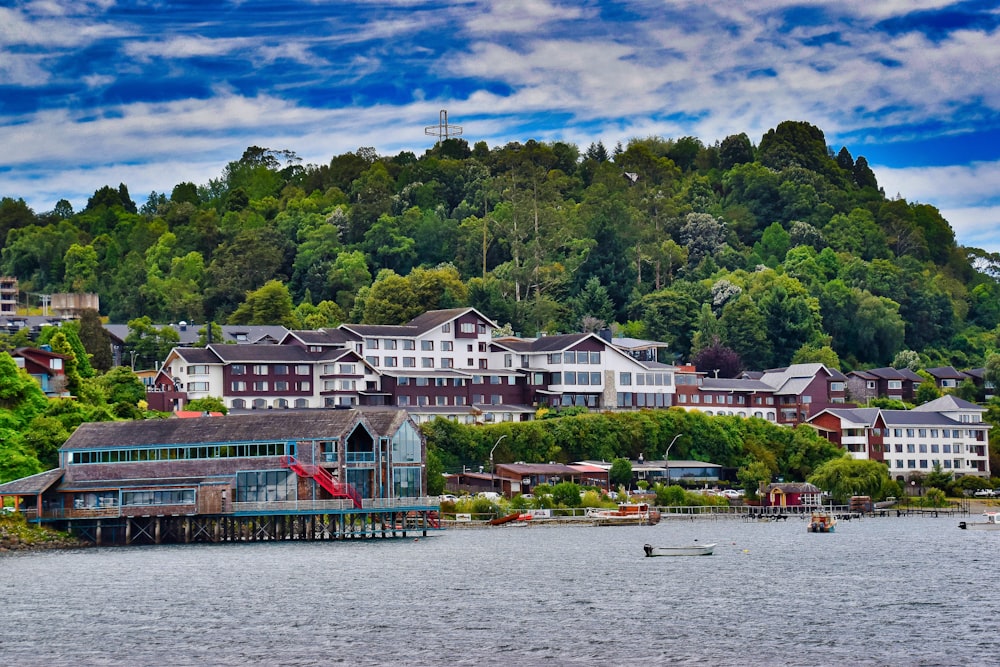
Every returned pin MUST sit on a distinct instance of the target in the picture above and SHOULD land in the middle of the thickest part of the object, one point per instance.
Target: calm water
(885, 591)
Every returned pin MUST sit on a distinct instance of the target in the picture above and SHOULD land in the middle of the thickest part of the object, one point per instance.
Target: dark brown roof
(262, 353)
(34, 485)
(269, 426)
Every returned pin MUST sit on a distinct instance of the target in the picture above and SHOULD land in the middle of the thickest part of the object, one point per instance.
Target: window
(427, 362)
(260, 385)
(347, 369)
(836, 386)
(197, 386)
(303, 386)
(468, 327)
(238, 386)
(446, 327)
(895, 384)
(426, 346)
(508, 360)
(595, 357)
(409, 362)
(371, 343)
(390, 362)
(198, 369)
(260, 369)
(281, 369)
(389, 344)
(402, 382)
(372, 360)
(409, 344)
(238, 369)
(555, 358)
(625, 379)
(447, 346)
(447, 363)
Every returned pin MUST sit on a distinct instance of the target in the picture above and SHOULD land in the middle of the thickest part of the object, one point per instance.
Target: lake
(880, 591)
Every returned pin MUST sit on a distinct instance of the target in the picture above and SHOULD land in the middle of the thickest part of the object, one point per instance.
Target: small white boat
(686, 550)
(991, 522)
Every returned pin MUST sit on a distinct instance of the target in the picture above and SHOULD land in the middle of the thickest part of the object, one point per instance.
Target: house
(46, 367)
(802, 390)
(895, 383)
(946, 433)
(946, 377)
(688, 473)
(742, 397)
(209, 469)
(791, 494)
(515, 478)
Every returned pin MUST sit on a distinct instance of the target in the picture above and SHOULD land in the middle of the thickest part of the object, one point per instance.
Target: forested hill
(756, 255)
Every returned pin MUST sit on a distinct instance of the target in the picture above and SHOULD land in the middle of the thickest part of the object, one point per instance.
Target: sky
(151, 93)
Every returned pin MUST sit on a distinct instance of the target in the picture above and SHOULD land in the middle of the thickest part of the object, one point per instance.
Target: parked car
(985, 493)
(449, 498)
(731, 493)
(489, 495)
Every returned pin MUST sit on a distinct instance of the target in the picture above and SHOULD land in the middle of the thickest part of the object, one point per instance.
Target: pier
(253, 522)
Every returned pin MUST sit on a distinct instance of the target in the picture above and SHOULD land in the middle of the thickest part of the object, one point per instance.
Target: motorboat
(822, 522)
(627, 514)
(685, 550)
(991, 523)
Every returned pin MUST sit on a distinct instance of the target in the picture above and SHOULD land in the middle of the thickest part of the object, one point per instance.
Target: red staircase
(324, 479)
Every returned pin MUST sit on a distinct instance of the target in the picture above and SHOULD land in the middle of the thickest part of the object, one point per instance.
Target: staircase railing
(323, 477)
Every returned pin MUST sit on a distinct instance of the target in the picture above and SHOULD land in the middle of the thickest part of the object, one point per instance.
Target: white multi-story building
(947, 434)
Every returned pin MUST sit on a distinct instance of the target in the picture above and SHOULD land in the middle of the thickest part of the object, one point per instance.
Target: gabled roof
(734, 384)
(195, 355)
(325, 337)
(866, 416)
(418, 326)
(33, 485)
(795, 378)
(948, 403)
(889, 373)
(270, 426)
(261, 353)
(946, 373)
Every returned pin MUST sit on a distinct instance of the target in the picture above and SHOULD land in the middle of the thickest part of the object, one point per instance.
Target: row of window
(168, 497)
(923, 432)
(408, 344)
(264, 369)
(708, 399)
(137, 454)
(946, 464)
(574, 357)
(264, 385)
(934, 448)
(411, 362)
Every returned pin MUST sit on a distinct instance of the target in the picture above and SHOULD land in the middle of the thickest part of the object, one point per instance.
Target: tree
(271, 304)
(718, 360)
(207, 404)
(95, 340)
(620, 473)
(846, 476)
(71, 371)
(122, 385)
(907, 359)
(735, 149)
(752, 476)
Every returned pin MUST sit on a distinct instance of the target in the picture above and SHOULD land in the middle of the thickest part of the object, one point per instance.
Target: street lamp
(666, 456)
(493, 474)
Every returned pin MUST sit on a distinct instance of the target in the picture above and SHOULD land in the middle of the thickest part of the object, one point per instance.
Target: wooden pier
(256, 522)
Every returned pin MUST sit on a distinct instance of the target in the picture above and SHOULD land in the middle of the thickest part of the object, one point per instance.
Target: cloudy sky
(152, 93)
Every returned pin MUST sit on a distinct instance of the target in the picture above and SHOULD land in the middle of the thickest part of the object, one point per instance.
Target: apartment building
(947, 433)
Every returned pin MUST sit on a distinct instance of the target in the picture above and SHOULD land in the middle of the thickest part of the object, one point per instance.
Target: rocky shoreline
(16, 534)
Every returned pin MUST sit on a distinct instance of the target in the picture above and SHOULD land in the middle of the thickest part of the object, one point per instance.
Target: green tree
(95, 340)
(71, 372)
(270, 304)
(122, 385)
(752, 476)
(566, 494)
(620, 473)
(207, 404)
(846, 476)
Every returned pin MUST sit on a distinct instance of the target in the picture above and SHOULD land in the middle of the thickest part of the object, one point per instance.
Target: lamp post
(493, 474)
(666, 456)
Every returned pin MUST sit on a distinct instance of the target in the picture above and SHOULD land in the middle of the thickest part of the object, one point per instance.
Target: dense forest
(737, 255)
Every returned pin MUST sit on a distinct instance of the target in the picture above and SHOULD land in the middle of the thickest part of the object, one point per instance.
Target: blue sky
(149, 93)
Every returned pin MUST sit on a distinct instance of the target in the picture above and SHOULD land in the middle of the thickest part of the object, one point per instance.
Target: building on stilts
(289, 475)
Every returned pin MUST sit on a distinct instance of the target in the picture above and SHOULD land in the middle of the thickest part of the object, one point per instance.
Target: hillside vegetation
(739, 256)
(783, 250)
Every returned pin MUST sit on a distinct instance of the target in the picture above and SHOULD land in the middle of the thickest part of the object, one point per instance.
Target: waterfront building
(225, 473)
(947, 433)
(898, 384)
